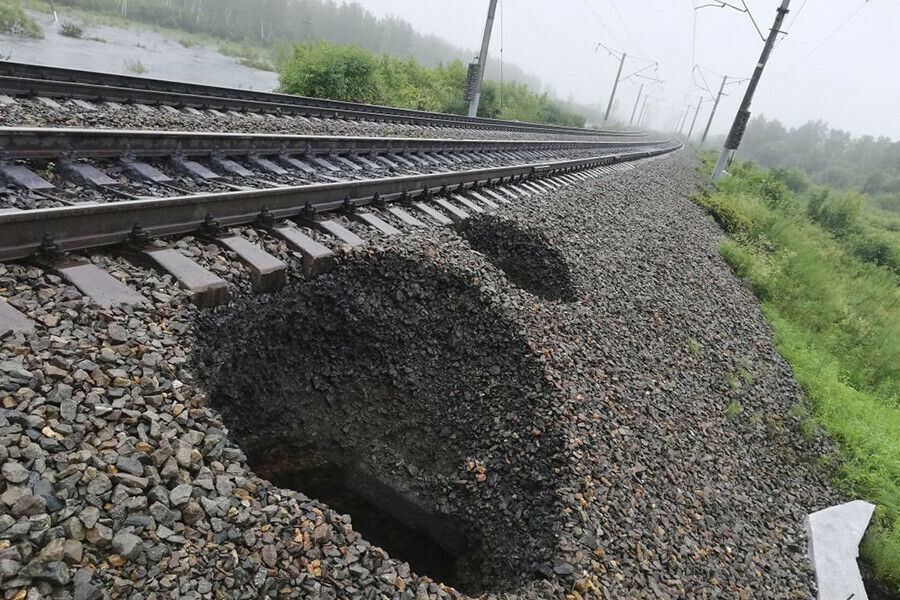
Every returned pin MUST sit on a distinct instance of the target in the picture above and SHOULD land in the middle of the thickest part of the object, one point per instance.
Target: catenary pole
(733, 141)
(696, 114)
(643, 111)
(687, 111)
(715, 106)
(636, 102)
(615, 86)
(482, 58)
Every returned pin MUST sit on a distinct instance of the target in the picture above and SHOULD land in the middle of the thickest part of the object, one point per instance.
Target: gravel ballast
(610, 422)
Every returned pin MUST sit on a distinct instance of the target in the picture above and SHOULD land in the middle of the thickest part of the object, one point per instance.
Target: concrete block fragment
(834, 535)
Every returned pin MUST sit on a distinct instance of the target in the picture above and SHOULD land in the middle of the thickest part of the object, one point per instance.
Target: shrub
(14, 20)
(324, 70)
(726, 213)
(71, 30)
(835, 211)
(875, 247)
(135, 66)
(348, 73)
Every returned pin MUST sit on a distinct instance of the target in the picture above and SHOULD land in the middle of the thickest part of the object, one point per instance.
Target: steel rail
(22, 78)
(74, 228)
(20, 86)
(50, 142)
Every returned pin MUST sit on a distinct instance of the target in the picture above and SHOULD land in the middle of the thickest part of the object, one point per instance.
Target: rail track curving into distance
(21, 79)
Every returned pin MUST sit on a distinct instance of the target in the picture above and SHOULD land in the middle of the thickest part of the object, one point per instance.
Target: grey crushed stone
(652, 490)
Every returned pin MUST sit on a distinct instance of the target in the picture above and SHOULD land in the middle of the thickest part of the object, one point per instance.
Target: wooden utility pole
(733, 141)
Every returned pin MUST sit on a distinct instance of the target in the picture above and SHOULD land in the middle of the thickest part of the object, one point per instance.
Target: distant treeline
(274, 22)
(350, 73)
(830, 157)
(432, 80)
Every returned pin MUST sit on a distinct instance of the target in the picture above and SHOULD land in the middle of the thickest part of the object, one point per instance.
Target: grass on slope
(14, 20)
(836, 319)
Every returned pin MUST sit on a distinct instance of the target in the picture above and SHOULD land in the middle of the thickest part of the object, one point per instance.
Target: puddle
(162, 58)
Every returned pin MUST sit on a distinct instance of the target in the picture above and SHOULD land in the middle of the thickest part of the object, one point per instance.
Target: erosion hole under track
(389, 388)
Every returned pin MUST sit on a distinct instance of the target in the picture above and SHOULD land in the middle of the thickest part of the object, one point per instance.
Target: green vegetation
(14, 20)
(252, 56)
(71, 30)
(350, 73)
(693, 347)
(135, 66)
(831, 157)
(832, 296)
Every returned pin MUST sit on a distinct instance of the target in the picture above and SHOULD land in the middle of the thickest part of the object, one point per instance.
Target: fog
(836, 63)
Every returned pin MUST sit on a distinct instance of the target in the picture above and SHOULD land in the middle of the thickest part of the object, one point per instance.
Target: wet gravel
(635, 437)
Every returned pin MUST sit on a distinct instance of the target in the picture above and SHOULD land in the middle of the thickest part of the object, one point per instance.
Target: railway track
(20, 79)
(324, 174)
(73, 189)
(50, 167)
(443, 187)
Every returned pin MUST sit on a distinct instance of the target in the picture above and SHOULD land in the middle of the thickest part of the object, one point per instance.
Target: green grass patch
(72, 30)
(14, 20)
(836, 319)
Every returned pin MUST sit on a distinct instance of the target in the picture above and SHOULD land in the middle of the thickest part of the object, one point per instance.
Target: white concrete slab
(834, 535)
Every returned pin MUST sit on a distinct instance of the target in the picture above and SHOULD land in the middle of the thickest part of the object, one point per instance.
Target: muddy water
(162, 58)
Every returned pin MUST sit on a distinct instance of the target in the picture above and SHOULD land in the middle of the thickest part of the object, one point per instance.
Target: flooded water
(162, 58)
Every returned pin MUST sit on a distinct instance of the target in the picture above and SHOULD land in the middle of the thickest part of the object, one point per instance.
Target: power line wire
(602, 24)
(796, 14)
(625, 25)
(750, 14)
(745, 10)
(828, 37)
(543, 29)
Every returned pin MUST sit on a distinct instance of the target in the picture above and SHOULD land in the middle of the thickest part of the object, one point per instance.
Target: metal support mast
(615, 87)
(636, 102)
(733, 141)
(696, 114)
(687, 111)
(715, 106)
(476, 70)
(643, 111)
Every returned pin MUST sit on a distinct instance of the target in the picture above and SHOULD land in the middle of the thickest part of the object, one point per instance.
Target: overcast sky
(827, 67)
